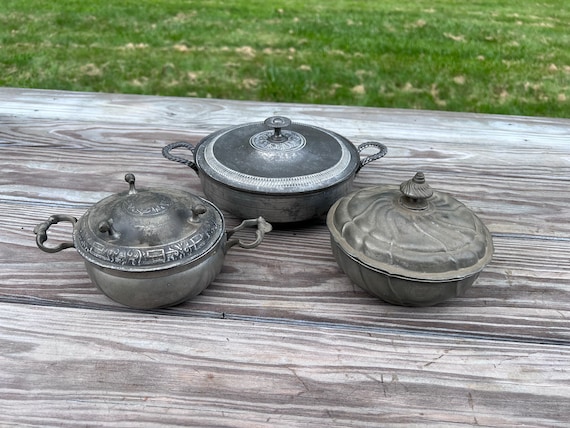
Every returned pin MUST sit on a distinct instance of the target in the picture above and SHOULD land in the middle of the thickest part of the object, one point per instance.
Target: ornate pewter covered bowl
(283, 171)
(411, 245)
(151, 248)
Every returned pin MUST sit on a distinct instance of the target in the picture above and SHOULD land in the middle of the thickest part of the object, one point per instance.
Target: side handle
(263, 227)
(180, 144)
(382, 150)
(41, 233)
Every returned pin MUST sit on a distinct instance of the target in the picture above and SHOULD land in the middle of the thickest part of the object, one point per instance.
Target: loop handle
(167, 149)
(382, 150)
(263, 227)
(41, 233)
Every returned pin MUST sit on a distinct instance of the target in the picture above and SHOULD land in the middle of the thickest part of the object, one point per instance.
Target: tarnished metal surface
(151, 248)
(143, 230)
(270, 168)
(409, 245)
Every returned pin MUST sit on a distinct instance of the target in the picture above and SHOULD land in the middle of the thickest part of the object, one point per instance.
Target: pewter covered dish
(411, 245)
(151, 248)
(283, 171)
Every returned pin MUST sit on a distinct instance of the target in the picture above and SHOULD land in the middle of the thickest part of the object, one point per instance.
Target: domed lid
(411, 232)
(277, 156)
(148, 229)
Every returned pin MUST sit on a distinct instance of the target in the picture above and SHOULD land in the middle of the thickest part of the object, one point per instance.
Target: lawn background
(491, 56)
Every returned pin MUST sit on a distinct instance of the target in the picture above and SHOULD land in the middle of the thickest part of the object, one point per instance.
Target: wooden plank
(522, 294)
(281, 338)
(60, 367)
(512, 192)
(519, 190)
(208, 115)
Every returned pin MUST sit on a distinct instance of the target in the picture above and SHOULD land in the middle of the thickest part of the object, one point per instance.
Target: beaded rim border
(301, 183)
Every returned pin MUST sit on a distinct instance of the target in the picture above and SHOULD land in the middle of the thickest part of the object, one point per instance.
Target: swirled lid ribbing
(411, 232)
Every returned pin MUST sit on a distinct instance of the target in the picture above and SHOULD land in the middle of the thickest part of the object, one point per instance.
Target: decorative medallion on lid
(278, 140)
(281, 170)
(286, 158)
(145, 204)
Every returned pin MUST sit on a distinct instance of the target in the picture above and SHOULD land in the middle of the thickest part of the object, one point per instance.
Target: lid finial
(130, 178)
(277, 122)
(416, 192)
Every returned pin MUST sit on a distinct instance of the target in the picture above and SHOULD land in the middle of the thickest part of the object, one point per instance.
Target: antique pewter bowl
(151, 248)
(411, 245)
(283, 171)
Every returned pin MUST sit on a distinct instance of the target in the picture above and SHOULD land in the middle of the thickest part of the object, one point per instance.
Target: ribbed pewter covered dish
(408, 245)
(283, 171)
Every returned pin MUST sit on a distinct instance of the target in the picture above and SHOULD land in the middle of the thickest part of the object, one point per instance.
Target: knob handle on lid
(415, 192)
(130, 178)
(197, 211)
(106, 227)
(277, 123)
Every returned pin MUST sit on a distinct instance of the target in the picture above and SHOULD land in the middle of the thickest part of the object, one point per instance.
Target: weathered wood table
(282, 337)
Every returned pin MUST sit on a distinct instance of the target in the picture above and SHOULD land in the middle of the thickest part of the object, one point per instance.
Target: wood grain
(522, 294)
(164, 371)
(304, 345)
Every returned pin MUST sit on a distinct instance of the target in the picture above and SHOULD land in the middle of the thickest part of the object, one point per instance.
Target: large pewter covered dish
(151, 248)
(411, 245)
(283, 171)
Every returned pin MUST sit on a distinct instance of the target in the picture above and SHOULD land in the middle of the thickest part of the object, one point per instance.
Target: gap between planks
(342, 326)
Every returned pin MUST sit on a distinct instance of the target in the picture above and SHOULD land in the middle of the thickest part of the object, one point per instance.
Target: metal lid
(277, 156)
(148, 229)
(411, 232)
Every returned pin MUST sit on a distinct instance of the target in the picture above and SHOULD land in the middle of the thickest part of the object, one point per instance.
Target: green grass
(507, 57)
